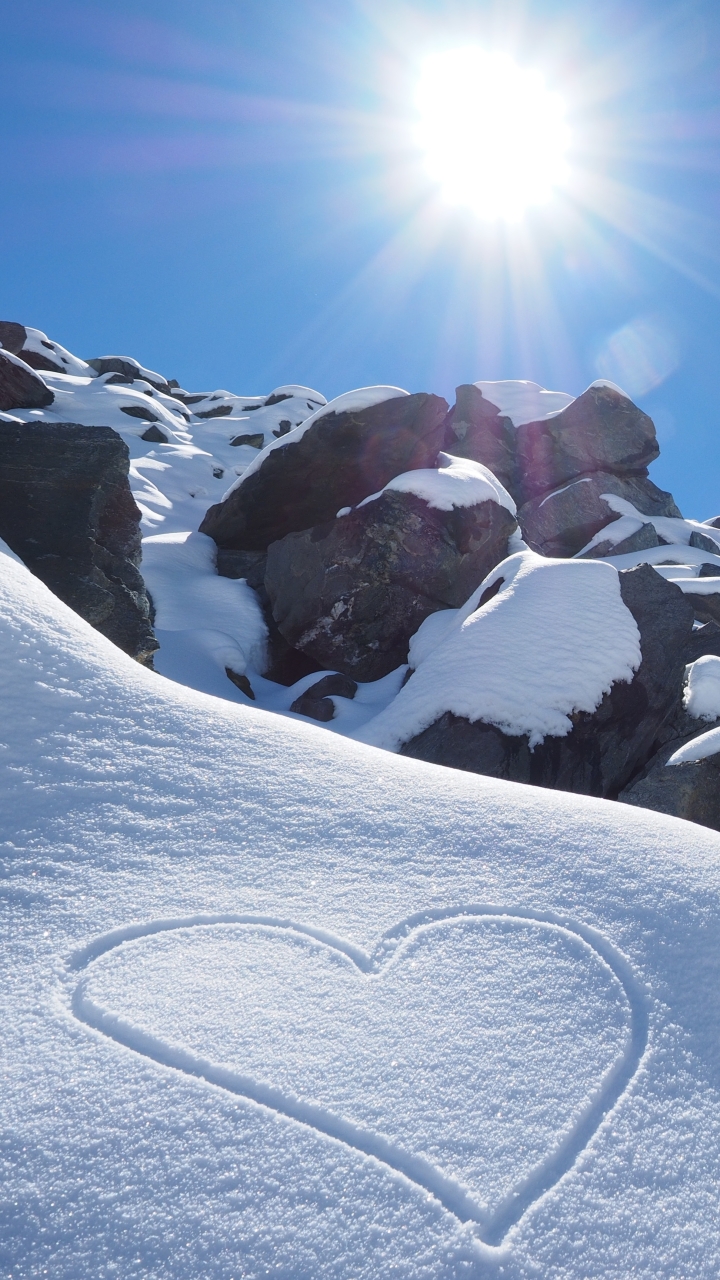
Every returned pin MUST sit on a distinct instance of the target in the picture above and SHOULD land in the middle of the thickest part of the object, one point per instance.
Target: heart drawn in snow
(475, 1051)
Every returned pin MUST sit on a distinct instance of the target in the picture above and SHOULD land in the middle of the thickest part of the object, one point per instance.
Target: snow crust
(523, 401)
(277, 1003)
(702, 689)
(551, 641)
(457, 482)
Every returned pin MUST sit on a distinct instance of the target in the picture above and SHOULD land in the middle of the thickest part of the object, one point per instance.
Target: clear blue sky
(229, 192)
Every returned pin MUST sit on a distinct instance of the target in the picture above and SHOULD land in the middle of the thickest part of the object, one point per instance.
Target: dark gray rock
(155, 436)
(20, 386)
(130, 369)
(642, 540)
(338, 461)
(704, 543)
(561, 523)
(690, 791)
(43, 361)
(606, 747)
(67, 511)
(335, 685)
(139, 411)
(12, 336)
(217, 411)
(353, 591)
(476, 429)
(256, 440)
(322, 709)
(709, 571)
(601, 430)
(703, 640)
(705, 608)
(241, 682)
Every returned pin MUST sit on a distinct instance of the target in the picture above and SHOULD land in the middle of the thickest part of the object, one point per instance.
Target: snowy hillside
(277, 1003)
(284, 994)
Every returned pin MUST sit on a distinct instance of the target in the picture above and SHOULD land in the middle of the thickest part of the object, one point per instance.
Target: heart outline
(490, 1229)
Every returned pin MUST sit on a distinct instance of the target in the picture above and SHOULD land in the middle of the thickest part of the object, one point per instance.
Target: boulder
(606, 747)
(704, 543)
(706, 608)
(476, 429)
(131, 370)
(564, 521)
(67, 511)
(690, 790)
(703, 640)
(642, 540)
(12, 336)
(602, 430)
(20, 386)
(353, 591)
(335, 462)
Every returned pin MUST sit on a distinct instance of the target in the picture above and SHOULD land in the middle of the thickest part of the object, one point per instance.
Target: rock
(476, 429)
(241, 682)
(139, 411)
(606, 747)
(704, 640)
(219, 411)
(131, 370)
(709, 571)
(706, 608)
(256, 441)
(601, 430)
(353, 591)
(336, 685)
(690, 791)
(704, 543)
(20, 386)
(12, 336)
(66, 510)
(322, 709)
(155, 436)
(337, 461)
(714, 524)
(561, 523)
(642, 540)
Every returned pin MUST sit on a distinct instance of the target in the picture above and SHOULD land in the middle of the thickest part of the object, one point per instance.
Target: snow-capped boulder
(554, 677)
(66, 510)
(563, 522)
(476, 429)
(602, 430)
(353, 591)
(345, 451)
(36, 349)
(641, 539)
(20, 386)
(125, 369)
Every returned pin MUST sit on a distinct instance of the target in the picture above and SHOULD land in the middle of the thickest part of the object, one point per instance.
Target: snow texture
(702, 689)
(550, 642)
(457, 482)
(524, 401)
(275, 1003)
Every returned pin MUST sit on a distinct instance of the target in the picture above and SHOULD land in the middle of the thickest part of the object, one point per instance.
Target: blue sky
(230, 193)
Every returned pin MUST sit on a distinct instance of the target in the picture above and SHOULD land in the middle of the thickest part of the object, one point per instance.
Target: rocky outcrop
(128, 370)
(12, 336)
(20, 386)
(336, 462)
(351, 592)
(476, 429)
(66, 510)
(606, 747)
(564, 521)
(690, 790)
(602, 430)
(285, 665)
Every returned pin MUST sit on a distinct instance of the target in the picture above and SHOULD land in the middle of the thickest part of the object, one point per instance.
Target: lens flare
(494, 137)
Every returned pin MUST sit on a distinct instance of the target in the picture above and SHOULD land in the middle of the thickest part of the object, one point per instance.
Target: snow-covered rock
(346, 451)
(563, 522)
(352, 591)
(20, 386)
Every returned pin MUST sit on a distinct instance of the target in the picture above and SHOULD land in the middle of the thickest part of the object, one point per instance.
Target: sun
(494, 136)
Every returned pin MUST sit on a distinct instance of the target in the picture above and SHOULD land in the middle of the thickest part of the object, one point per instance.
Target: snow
(39, 342)
(675, 531)
(702, 690)
(524, 401)
(550, 642)
(699, 748)
(348, 402)
(276, 1003)
(457, 482)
